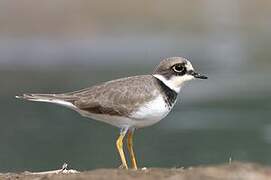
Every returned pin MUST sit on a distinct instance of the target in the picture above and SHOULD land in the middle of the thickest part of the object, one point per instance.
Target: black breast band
(170, 95)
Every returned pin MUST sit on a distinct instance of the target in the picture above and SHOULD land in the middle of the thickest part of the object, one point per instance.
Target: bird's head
(174, 71)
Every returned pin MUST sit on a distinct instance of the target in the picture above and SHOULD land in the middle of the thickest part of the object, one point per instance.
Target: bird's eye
(179, 68)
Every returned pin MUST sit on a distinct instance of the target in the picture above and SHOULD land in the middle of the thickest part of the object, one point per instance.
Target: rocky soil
(233, 171)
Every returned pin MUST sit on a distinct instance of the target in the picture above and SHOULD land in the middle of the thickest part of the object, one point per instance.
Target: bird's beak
(197, 75)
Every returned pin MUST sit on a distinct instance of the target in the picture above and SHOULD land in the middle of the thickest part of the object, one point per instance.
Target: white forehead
(189, 65)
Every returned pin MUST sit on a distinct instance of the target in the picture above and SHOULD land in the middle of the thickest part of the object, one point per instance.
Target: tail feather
(50, 98)
(34, 96)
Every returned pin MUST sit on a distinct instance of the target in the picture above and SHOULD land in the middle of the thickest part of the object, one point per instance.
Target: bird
(128, 103)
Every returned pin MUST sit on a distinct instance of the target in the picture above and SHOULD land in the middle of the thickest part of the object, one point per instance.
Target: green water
(205, 127)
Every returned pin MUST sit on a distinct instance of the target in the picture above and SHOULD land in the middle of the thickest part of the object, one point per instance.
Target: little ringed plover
(128, 103)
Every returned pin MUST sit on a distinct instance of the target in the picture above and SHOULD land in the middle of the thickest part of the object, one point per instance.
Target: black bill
(197, 75)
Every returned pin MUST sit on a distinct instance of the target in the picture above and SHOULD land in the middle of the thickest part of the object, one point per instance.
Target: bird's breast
(151, 111)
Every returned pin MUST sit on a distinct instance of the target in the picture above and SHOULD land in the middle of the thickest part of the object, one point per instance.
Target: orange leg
(130, 148)
(119, 144)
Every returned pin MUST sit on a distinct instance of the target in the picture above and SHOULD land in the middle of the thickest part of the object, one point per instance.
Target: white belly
(149, 114)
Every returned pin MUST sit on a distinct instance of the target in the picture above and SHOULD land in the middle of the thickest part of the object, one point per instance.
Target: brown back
(117, 97)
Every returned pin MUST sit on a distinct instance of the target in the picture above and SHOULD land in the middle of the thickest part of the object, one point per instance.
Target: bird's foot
(123, 167)
(144, 169)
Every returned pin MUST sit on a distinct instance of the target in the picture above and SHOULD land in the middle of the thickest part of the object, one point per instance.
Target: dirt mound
(233, 171)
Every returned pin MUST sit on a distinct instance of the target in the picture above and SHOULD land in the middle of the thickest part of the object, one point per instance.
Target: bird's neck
(169, 83)
(170, 95)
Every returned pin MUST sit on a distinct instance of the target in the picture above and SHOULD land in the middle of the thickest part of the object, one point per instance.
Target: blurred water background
(64, 45)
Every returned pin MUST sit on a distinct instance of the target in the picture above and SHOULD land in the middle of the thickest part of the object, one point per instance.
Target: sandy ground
(233, 171)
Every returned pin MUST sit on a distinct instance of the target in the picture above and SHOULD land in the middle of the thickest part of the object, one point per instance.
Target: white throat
(168, 83)
(174, 83)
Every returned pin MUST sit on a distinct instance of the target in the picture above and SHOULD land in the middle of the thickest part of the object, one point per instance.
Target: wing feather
(118, 97)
